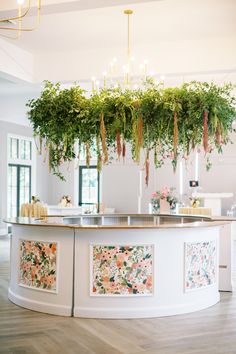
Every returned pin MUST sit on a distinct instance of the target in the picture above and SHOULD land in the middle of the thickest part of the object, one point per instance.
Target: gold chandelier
(128, 75)
(15, 25)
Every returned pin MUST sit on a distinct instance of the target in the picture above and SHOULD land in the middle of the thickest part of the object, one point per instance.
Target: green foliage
(144, 118)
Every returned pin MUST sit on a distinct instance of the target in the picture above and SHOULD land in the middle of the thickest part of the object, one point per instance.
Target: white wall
(176, 57)
(41, 180)
(13, 108)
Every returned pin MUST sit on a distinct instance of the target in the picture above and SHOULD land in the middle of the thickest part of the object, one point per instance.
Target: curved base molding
(126, 313)
(38, 305)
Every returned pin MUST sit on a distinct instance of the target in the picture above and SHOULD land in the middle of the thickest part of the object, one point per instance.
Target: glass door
(19, 188)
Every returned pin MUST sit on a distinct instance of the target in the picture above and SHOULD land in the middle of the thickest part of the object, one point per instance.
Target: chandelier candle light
(14, 24)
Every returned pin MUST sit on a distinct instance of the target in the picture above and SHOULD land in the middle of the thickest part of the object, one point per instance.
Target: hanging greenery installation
(172, 122)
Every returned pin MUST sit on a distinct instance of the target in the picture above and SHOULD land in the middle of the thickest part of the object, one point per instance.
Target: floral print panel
(38, 262)
(200, 264)
(122, 270)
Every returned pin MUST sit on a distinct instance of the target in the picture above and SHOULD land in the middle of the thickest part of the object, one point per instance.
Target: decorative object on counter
(38, 262)
(195, 211)
(122, 270)
(164, 201)
(200, 264)
(34, 210)
(195, 202)
(65, 202)
(172, 122)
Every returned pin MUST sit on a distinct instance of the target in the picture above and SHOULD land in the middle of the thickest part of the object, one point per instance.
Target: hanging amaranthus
(65, 144)
(78, 155)
(123, 148)
(45, 151)
(87, 153)
(139, 141)
(103, 136)
(155, 156)
(205, 131)
(147, 167)
(134, 136)
(137, 130)
(40, 145)
(140, 130)
(50, 156)
(118, 145)
(218, 135)
(38, 148)
(99, 155)
(175, 139)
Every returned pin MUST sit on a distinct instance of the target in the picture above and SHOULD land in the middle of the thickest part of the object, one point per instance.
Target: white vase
(164, 207)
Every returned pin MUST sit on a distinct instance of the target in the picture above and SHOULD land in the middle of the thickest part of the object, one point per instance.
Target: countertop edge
(195, 224)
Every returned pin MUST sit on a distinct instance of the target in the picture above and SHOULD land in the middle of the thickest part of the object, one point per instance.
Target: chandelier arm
(17, 17)
(22, 29)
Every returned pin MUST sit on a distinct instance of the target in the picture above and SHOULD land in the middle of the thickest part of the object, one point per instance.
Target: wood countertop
(58, 222)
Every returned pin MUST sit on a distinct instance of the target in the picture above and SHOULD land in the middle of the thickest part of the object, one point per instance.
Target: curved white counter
(111, 269)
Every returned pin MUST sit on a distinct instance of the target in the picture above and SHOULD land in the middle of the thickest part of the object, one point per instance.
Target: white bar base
(127, 313)
(39, 306)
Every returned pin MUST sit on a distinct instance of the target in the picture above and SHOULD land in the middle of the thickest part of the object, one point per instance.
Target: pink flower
(149, 281)
(165, 191)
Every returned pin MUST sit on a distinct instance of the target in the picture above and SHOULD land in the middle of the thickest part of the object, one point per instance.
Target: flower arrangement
(165, 193)
(65, 201)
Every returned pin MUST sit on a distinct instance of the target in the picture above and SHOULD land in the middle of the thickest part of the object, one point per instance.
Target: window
(20, 165)
(89, 188)
(19, 148)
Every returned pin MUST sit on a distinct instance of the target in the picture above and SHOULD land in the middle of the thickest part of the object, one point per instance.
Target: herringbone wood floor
(212, 331)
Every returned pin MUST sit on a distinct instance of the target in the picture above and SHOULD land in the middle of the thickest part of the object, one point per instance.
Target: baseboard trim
(109, 312)
(38, 305)
(127, 313)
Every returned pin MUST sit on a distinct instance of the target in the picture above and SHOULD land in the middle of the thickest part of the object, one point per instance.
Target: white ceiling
(153, 21)
(80, 25)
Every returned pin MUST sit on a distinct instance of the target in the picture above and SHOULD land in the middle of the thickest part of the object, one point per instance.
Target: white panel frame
(57, 267)
(153, 250)
(186, 290)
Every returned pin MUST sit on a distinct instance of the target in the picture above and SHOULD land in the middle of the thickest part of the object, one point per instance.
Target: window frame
(81, 168)
(22, 162)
